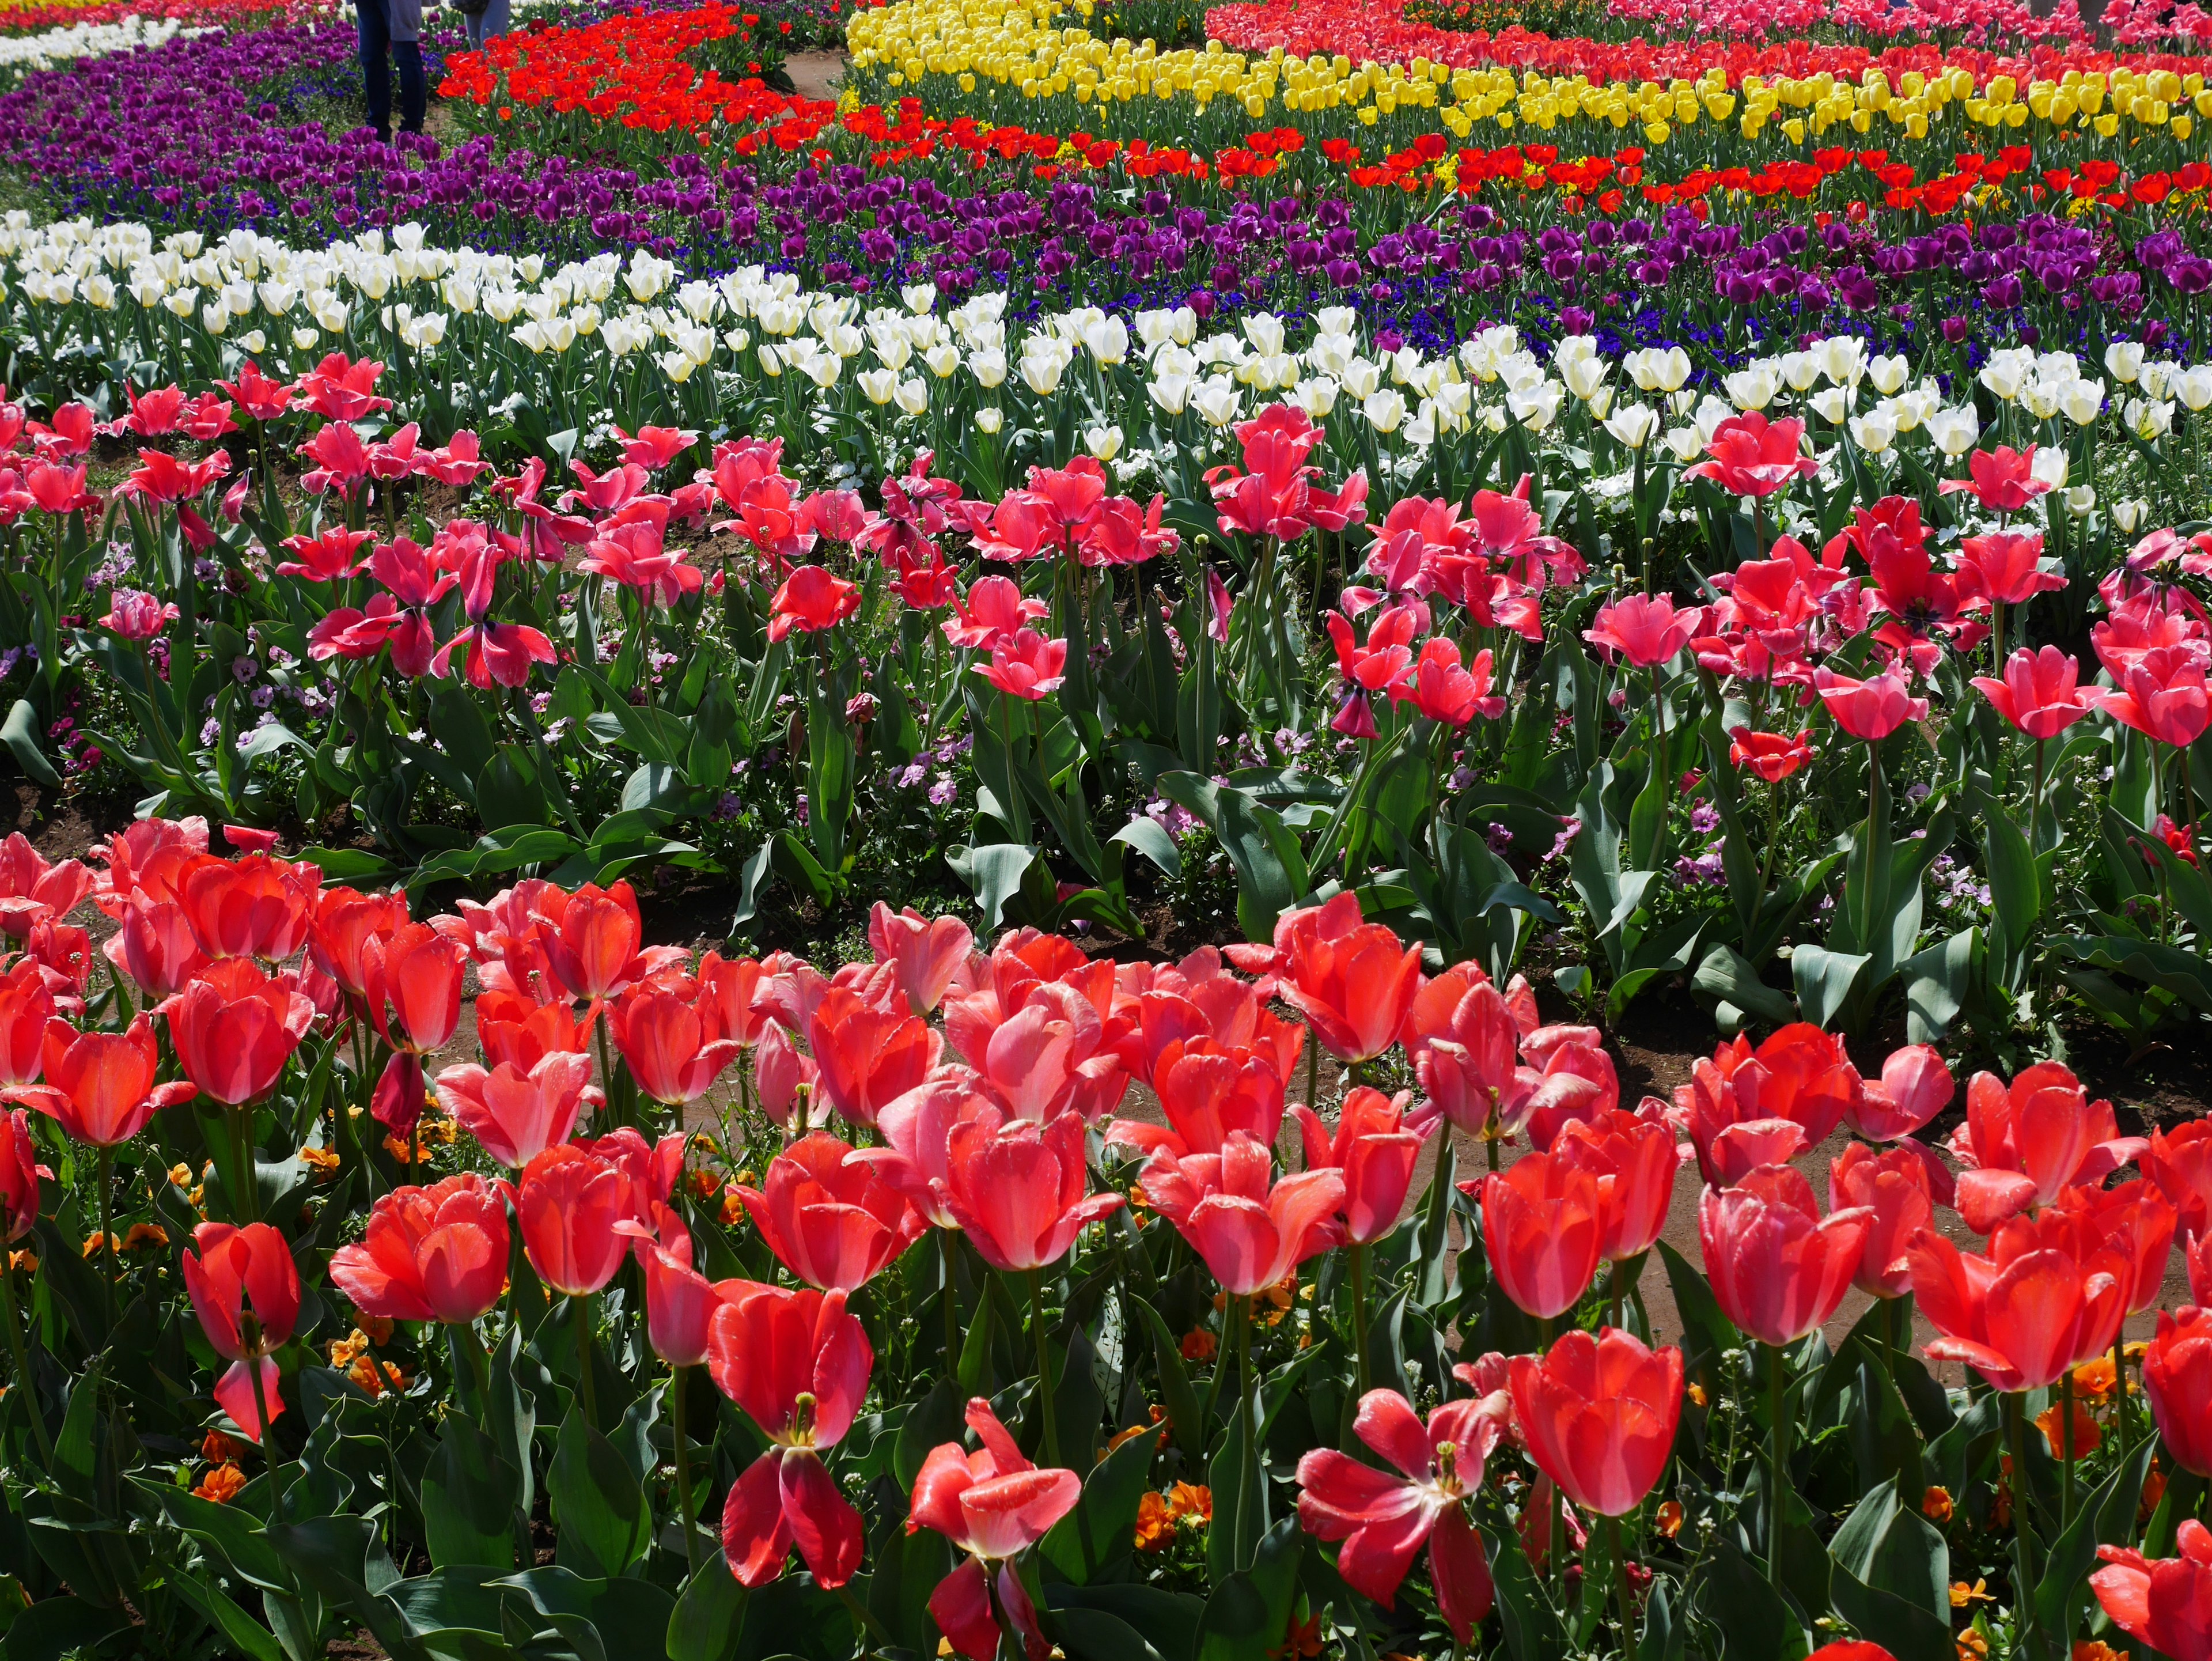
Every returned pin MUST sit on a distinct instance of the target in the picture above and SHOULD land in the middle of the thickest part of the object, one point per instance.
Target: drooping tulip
(1020, 1191)
(1250, 1232)
(517, 1115)
(1540, 1230)
(1599, 1412)
(1375, 1152)
(430, 1254)
(1384, 1517)
(245, 1288)
(2038, 1303)
(569, 1202)
(2023, 1143)
(2167, 1604)
(834, 1223)
(1779, 1268)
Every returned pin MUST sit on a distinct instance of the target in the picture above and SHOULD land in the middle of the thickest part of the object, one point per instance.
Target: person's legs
(375, 69)
(475, 21)
(407, 55)
(493, 23)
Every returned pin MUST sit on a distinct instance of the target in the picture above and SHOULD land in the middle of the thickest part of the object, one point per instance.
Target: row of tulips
(595, 1246)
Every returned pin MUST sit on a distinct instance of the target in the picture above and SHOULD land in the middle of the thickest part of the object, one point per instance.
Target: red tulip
(340, 926)
(1044, 1058)
(2162, 694)
(728, 990)
(2022, 1145)
(570, 1201)
(2003, 480)
(430, 1254)
(2132, 1228)
(834, 1223)
(514, 1029)
(1025, 665)
(868, 1055)
(787, 1083)
(1250, 1234)
(1646, 631)
(1599, 1412)
(928, 951)
(1749, 455)
(31, 890)
(1375, 1152)
(1354, 988)
(26, 1006)
(2041, 692)
(234, 1028)
(19, 1172)
(669, 1045)
(2167, 1604)
(992, 1504)
(1019, 1191)
(1207, 1094)
(1465, 1044)
(1773, 756)
(1851, 1649)
(1892, 1187)
(99, 1085)
(1633, 1160)
(2177, 1372)
(156, 946)
(2041, 1301)
(412, 987)
(811, 600)
(1569, 1078)
(649, 1171)
(1748, 1107)
(1914, 1087)
(1540, 1231)
(1383, 1516)
(798, 1364)
(592, 939)
(2179, 1161)
(916, 1154)
(253, 907)
(2196, 1261)
(1777, 1269)
(2005, 568)
(679, 1304)
(517, 1115)
(1871, 708)
(245, 1290)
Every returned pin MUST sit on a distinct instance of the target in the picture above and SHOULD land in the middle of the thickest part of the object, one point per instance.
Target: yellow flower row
(1023, 45)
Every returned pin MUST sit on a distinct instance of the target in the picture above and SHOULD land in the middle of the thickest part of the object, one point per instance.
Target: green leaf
(1167, 1621)
(604, 1524)
(508, 792)
(1177, 1396)
(1250, 1609)
(1240, 1503)
(1936, 982)
(2105, 1517)
(1106, 1516)
(937, 1418)
(993, 874)
(1735, 1595)
(469, 1498)
(1532, 1628)
(1706, 1332)
(1824, 980)
(20, 733)
(1271, 868)
(1890, 1575)
(245, 1634)
(54, 1626)
(1727, 975)
(1149, 837)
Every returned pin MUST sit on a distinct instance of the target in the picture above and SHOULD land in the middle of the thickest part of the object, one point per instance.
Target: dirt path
(815, 74)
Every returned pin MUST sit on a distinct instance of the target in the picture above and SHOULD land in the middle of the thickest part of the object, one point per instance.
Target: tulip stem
(1659, 764)
(105, 1168)
(1620, 1588)
(1778, 1387)
(2066, 1448)
(1359, 1313)
(261, 1423)
(22, 1359)
(581, 1308)
(948, 1245)
(872, 1635)
(2035, 826)
(1875, 782)
(2023, 1557)
(1051, 1448)
(683, 1472)
(1245, 1466)
(245, 1203)
(2120, 1392)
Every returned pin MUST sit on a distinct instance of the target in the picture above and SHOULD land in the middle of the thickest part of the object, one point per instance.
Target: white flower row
(21, 53)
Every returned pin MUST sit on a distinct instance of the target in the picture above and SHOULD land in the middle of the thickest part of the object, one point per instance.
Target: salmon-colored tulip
(1599, 1413)
(1039, 1061)
(916, 1154)
(412, 987)
(429, 1254)
(1354, 989)
(927, 951)
(26, 1006)
(518, 1115)
(342, 923)
(1914, 1087)
(679, 1304)
(592, 939)
(1465, 1045)
(2041, 1300)
(2022, 1144)
(1375, 1153)
(1800, 1076)
(994, 1505)
(1540, 1231)
(798, 1364)
(1208, 1092)
(669, 1046)
(649, 1172)
(153, 944)
(1384, 1517)
(1892, 1187)
(2167, 1604)
(515, 1029)
(2176, 1372)
(1178, 1005)
(31, 890)
(1250, 1234)
(2179, 1161)
(234, 1028)
(1568, 1077)
(1779, 1268)
(728, 990)
(834, 1223)
(570, 1201)
(1633, 1161)
(867, 1054)
(19, 1172)
(99, 1085)
(245, 1290)
(2132, 1228)
(1020, 1191)
(256, 906)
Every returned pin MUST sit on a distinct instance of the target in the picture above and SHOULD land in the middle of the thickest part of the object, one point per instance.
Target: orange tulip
(2022, 1144)
(832, 1223)
(1779, 1268)
(234, 1028)
(570, 1201)
(1375, 1152)
(245, 1290)
(1354, 988)
(1633, 1160)
(1540, 1230)
(2040, 1301)
(1599, 1413)
(99, 1085)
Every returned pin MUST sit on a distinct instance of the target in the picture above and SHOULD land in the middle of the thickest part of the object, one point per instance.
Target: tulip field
(1361, 829)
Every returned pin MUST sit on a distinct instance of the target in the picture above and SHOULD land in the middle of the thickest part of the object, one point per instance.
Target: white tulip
(912, 396)
(1385, 409)
(1104, 442)
(1633, 425)
(2123, 361)
(1954, 430)
(989, 418)
(1874, 431)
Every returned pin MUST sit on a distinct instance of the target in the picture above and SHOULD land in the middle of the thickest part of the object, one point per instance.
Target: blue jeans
(486, 25)
(379, 55)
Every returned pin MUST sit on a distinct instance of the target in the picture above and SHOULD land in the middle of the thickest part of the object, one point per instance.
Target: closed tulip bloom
(340, 926)
(2041, 692)
(593, 939)
(430, 1254)
(679, 1304)
(867, 1055)
(1916, 1084)
(834, 1223)
(2162, 694)
(915, 1153)
(517, 1115)
(2022, 1144)
(798, 1364)
(234, 1028)
(155, 946)
(668, 1045)
(19, 1172)
(1207, 1092)
(2165, 1604)
(1893, 1186)
(412, 986)
(1764, 1106)
(1871, 708)
(1540, 1231)
(26, 1006)
(1464, 1044)
(1250, 1234)
(99, 1085)
(2040, 1301)
(1020, 1191)
(2132, 1226)
(2177, 1372)
(1385, 1516)
(257, 906)
(1646, 631)
(1779, 1268)
(1633, 1161)
(570, 1201)
(245, 1290)
(1375, 1153)
(928, 951)
(1599, 1412)
(1354, 989)
(2179, 1161)
(1749, 455)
